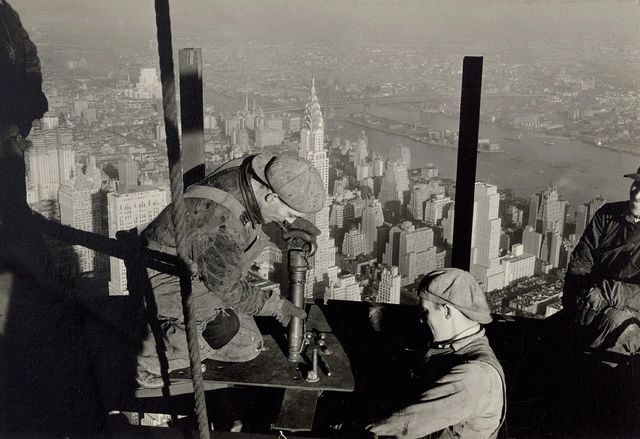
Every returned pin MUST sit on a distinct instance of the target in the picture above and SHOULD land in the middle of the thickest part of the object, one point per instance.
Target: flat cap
(296, 181)
(458, 288)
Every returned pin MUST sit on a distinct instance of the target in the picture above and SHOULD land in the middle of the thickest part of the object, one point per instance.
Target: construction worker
(225, 213)
(459, 388)
(21, 102)
(602, 286)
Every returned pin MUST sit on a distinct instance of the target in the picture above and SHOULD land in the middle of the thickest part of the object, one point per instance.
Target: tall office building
(436, 209)
(130, 207)
(390, 286)
(378, 166)
(582, 219)
(360, 150)
(323, 267)
(549, 211)
(517, 265)
(401, 153)
(585, 214)
(555, 247)
(149, 85)
(447, 224)
(372, 218)
(50, 161)
(395, 183)
(81, 207)
(128, 171)
(531, 241)
(354, 243)
(411, 250)
(485, 240)
(420, 194)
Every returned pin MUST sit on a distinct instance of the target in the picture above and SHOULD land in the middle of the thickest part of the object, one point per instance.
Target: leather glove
(589, 305)
(288, 310)
(301, 233)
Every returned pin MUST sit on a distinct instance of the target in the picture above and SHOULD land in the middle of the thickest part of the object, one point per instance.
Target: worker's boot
(148, 380)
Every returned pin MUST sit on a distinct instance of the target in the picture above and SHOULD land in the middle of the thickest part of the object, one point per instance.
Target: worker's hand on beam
(590, 305)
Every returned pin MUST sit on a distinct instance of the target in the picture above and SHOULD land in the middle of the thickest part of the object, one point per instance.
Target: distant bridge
(400, 100)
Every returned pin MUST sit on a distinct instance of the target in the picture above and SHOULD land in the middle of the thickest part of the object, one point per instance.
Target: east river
(580, 171)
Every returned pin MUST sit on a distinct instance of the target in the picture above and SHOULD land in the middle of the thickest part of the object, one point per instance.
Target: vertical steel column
(298, 267)
(467, 160)
(191, 115)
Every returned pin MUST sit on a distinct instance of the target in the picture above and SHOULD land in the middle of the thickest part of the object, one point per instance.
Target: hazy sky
(435, 21)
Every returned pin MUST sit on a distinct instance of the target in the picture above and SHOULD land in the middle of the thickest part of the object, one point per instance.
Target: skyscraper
(128, 171)
(395, 184)
(361, 152)
(531, 241)
(417, 254)
(436, 208)
(411, 250)
(582, 219)
(549, 211)
(389, 286)
(81, 207)
(323, 264)
(372, 218)
(401, 153)
(51, 161)
(419, 196)
(354, 243)
(485, 240)
(130, 207)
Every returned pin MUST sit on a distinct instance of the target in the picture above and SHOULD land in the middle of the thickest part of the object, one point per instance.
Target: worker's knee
(245, 345)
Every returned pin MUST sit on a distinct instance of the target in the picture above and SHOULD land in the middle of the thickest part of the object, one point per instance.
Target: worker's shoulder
(481, 355)
(204, 211)
(613, 209)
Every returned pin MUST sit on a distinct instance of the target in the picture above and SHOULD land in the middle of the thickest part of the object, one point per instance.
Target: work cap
(635, 176)
(458, 288)
(295, 180)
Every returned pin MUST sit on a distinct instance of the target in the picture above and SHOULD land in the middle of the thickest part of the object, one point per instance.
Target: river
(580, 171)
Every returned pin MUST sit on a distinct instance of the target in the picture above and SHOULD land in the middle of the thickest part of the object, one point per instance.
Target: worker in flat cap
(225, 213)
(459, 389)
(602, 286)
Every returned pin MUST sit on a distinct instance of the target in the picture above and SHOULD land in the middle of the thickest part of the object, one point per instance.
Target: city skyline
(377, 117)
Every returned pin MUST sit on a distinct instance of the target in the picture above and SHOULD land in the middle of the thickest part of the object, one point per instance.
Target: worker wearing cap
(460, 390)
(602, 285)
(224, 214)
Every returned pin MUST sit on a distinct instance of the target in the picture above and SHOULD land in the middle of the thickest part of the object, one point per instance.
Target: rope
(165, 53)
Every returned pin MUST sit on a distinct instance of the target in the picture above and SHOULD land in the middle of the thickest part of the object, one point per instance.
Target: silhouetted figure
(602, 285)
(46, 379)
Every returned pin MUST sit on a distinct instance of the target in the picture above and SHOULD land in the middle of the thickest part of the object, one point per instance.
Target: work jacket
(608, 251)
(460, 393)
(222, 241)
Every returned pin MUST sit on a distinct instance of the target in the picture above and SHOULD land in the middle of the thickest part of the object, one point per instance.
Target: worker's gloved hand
(590, 305)
(300, 234)
(288, 310)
